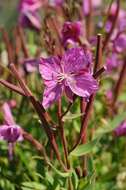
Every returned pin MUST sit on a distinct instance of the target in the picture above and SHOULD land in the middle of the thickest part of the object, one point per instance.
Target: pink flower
(56, 2)
(31, 64)
(121, 22)
(120, 43)
(112, 62)
(71, 31)
(109, 95)
(29, 16)
(70, 73)
(87, 6)
(9, 131)
(120, 130)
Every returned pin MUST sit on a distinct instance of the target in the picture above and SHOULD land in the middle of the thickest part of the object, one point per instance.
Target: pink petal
(34, 19)
(2, 127)
(30, 5)
(51, 95)
(31, 64)
(8, 118)
(11, 133)
(49, 68)
(69, 93)
(76, 59)
(86, 7)
(83, 85)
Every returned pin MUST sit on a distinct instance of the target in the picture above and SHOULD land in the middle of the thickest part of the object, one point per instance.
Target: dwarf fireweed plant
(64, 77)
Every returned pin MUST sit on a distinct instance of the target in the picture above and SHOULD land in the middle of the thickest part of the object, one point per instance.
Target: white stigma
(61, 77)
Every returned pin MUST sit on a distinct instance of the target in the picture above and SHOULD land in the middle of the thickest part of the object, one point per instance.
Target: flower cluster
(71, 32)
(117, 44)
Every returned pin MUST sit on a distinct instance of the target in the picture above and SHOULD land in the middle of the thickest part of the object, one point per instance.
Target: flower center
(61, 77)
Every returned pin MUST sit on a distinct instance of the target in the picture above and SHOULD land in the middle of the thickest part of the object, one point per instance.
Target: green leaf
(71, 116)
(111, 125)
(75, 180)
(31, 185)
(83, 149)
(90, 186)
(62, 174)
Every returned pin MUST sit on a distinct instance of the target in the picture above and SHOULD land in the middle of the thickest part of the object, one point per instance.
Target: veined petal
(83, 85)
(76, 59)
(49, 68)
(10, 133)
(51, 95)
(8, 118)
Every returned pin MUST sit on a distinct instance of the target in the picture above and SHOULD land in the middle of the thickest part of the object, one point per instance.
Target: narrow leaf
(71, 116)
(84, 148)
(111, 125)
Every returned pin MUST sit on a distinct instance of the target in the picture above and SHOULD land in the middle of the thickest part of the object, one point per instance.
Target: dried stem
(99, 72)
(98, 59)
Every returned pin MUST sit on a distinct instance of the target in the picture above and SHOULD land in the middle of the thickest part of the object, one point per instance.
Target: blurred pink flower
(71, 74)
(87, 5)
(31, 64)
(121, 21)
(120, 130)
(56, 2)
(120, 43)
(112, 62)
(109, 94)
(29, 16)
(9, 131)
(71, 31)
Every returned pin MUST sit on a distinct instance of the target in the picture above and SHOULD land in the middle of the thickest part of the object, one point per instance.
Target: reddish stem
(119, 83)
(108, 35)
(85, 120)
(23, 42)
(62, 134)
(89, 21)
(8, 45)
(39, 109)
(38, 146)
(12, 87)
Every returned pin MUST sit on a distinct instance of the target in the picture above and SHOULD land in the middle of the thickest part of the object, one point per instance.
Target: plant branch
(108, 35)
(85, 119)
(62, 134)
(40, 110)
(119, 83)
(38, 146)
(12, 87)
